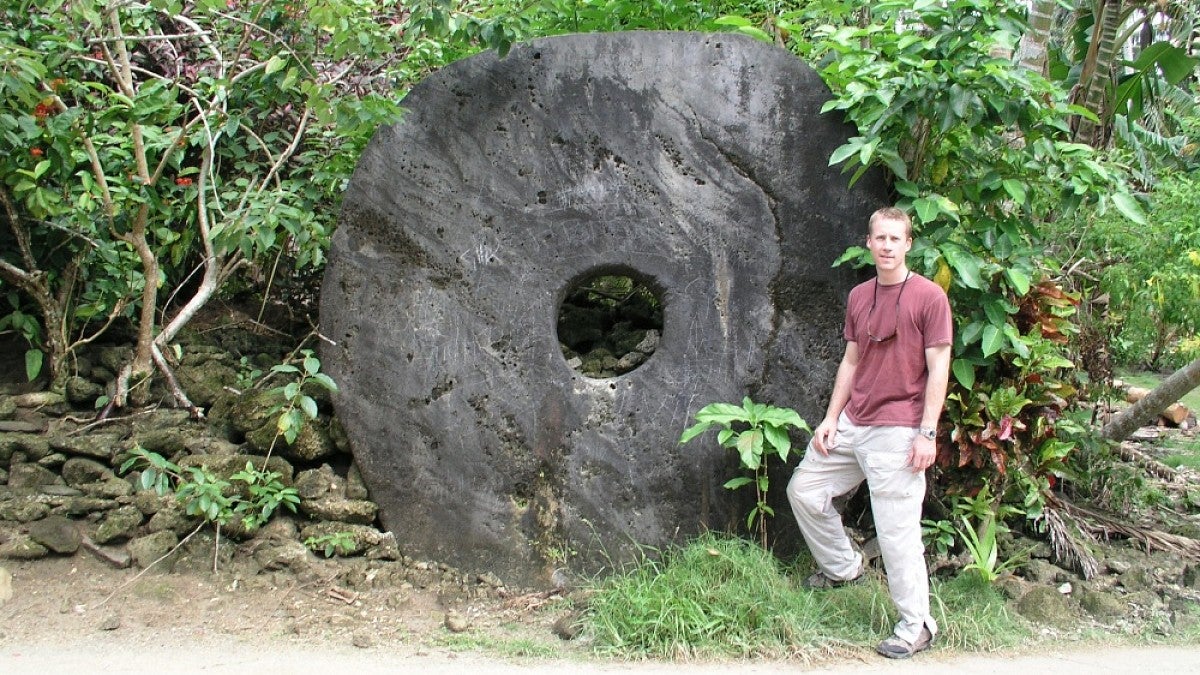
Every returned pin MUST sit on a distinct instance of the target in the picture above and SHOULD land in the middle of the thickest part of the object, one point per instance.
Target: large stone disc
(696, 164)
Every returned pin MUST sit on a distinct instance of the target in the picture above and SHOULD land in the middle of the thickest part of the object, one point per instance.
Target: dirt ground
(80, 598)
(78, 614)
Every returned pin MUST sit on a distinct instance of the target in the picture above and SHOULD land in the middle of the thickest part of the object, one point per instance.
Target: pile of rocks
(62, 488)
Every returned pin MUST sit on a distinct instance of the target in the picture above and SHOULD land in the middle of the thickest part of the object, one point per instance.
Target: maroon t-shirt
(889, 383)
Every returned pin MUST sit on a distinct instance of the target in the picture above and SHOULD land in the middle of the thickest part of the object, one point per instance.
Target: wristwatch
(928, 432)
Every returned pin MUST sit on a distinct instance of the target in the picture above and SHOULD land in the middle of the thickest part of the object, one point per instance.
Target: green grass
(727, 598)
(1183, 455)
(505, 647)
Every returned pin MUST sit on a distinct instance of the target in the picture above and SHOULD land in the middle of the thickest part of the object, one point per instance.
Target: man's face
(888, 243)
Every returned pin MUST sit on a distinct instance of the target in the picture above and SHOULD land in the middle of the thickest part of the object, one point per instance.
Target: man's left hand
(922, 454)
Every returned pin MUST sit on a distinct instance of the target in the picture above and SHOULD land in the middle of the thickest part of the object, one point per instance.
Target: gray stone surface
(696, 164)
(154, 548)
(57, 533)
(119, 524)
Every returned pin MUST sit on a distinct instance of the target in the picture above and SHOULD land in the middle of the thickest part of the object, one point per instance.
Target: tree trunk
(1096, 77)
(1031, 52)
(1179, 383)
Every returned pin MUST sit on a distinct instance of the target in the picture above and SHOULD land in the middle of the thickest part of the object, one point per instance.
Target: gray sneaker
(896, 647)
(820, 581)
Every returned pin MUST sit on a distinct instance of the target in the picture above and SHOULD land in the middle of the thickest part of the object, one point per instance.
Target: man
(881, 425)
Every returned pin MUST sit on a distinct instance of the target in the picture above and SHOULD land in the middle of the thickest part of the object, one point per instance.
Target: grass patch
(1188, 457)
(973, 616)
(721, 597)
(713, 597)
(508, 648)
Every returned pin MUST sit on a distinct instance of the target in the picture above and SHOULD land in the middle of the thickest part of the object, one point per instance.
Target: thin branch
(147, 38)
(118, 307)
(106, 420)
(284, 156)
(204, 36)
(19, 232)
(172, 383)
(283, 44)
(97, 169)
(147, 568)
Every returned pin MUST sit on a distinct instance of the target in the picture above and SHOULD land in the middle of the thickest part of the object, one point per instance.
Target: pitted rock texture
(696, 164)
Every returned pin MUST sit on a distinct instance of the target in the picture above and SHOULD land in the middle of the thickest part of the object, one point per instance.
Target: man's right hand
(825, 436)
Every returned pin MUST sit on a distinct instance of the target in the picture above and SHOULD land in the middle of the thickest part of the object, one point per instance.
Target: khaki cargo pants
(879, 455)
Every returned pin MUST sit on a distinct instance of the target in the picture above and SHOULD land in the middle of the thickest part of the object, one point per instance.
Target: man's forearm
(841, 388)
(937, 361)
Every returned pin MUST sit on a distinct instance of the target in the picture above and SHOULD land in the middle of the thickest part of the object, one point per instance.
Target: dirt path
(75, 615)
(223, 656)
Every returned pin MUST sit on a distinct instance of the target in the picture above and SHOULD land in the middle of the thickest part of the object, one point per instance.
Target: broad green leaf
(1129, 207)
(721, 413)
(778, 439)
(275, 64)
(738, 482)
(845, 151)
(293, 426)
(782, 417)
(1018, 279)
(995, 310)
(1014, 339)
(309, 406)
(325, 381)
(965, 264)
(964, 372)
(289, 79)
(1015, 189)
(993, 340)
(693, 431)
(932, 207)
(725, 437)
(33, 363)
(732, 20)
(749, 447)
(756, 33)
(858, 254)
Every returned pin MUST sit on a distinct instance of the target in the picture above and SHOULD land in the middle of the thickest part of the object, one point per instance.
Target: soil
(78, 614)
(86, 603)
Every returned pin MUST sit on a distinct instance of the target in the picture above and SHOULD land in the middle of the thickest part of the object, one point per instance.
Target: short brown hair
(891, 213)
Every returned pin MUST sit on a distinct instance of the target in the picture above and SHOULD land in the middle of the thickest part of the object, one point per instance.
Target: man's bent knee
(807, 497)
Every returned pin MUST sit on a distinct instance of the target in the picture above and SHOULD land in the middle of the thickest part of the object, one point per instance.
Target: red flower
(36, 152)
(183, 181)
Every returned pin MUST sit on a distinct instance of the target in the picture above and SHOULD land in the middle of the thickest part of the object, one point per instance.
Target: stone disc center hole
(609, 324)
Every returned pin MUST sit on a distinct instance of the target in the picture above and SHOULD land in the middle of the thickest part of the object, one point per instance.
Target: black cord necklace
(874, 298)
